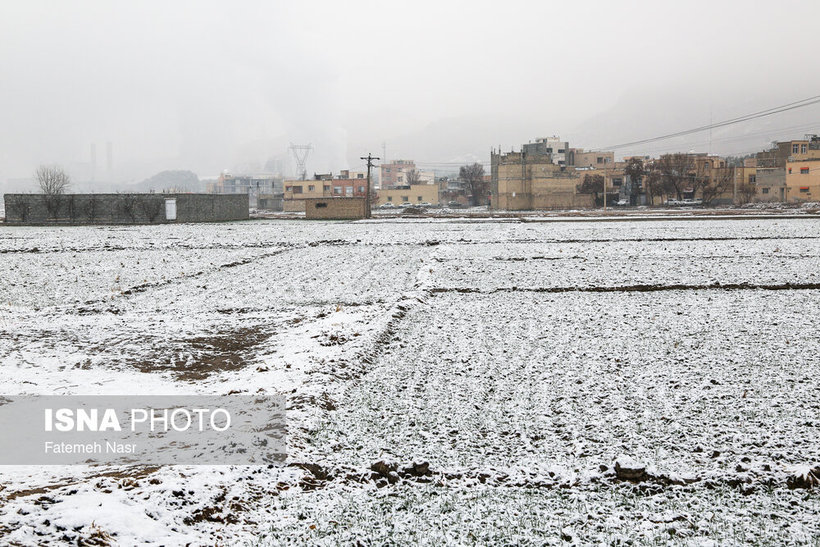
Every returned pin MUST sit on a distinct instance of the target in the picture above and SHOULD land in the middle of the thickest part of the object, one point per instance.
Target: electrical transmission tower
(300, 154)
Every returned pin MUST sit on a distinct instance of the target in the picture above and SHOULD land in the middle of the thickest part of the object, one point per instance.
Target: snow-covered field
(448, 381)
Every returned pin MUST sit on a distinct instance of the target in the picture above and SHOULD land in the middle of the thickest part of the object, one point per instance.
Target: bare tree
(592, 184)
(746, 192)
(676, 172)
(412, 177)
(635, 170)
(714, 184)
(53, 183)
(473, 177)
(652, 184)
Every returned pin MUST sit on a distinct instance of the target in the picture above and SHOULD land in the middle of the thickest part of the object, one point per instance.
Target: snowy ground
(447, 380)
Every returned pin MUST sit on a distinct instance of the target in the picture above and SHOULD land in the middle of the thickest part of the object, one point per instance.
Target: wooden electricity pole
(369, 159)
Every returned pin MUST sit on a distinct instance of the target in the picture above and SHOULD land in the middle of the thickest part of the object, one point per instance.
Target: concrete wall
(122, 208)
(335, 208)
(770, 184)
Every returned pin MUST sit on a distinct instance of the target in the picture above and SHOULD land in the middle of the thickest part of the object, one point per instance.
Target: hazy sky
(213, 85)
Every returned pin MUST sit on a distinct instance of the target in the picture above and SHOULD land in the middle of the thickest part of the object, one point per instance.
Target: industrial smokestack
(93, 161)
(109, 153)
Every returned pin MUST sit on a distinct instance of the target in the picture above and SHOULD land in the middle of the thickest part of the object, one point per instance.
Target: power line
(755, 115)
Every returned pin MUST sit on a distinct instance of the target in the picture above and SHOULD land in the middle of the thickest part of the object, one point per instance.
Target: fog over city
(209, 86)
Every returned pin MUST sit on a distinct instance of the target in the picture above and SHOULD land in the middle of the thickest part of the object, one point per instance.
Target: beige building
(595, 160)
(414, 194)
(803, 176)
(528, 181)
(297, 191)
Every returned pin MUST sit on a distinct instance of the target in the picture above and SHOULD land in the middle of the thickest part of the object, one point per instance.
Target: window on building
(361, 189)
(804, 189)
(560, 150)
(803, 148)
(600, 159)
(419, 198)
(360, 176)
(764, 190)
(752, 178)
(795, 148)
(405, 198)
(288, 188)
(326, 188)
(804, 170)
(400, 179)
(311, 188)
(297, 189)
(389, 198)
(320, 204)
(337, 190)
(348, 190)
(617, 181)
(549, 150)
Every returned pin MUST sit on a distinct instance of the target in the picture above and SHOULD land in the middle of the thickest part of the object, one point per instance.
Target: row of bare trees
(674, 175)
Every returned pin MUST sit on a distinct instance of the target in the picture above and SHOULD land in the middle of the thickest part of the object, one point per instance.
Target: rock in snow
(629, 469)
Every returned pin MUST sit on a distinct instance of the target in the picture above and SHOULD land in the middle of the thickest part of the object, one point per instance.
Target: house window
(804, 189)
(360, 176)
(348, 190)
(297, 189)
(326, 188)
(600, 160)
(617, 181)
(405, 198)
(765, 190)
(419, 198)
(560, 150)
(752, 178)
(803, 148)
(311, 188)
(804, 170)
(795, 148)
(361, 189)
(320, 204)
(288, 188)
(337, 190)
(389, 198)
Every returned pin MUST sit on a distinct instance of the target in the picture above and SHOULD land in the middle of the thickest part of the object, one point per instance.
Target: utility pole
(369, 159)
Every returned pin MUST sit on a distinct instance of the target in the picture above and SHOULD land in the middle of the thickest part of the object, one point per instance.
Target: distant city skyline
(204, 86)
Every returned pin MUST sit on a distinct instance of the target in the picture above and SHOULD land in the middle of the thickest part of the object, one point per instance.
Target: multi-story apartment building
(557, 150)
(526, 181)
(395, 172)
(296, 191)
